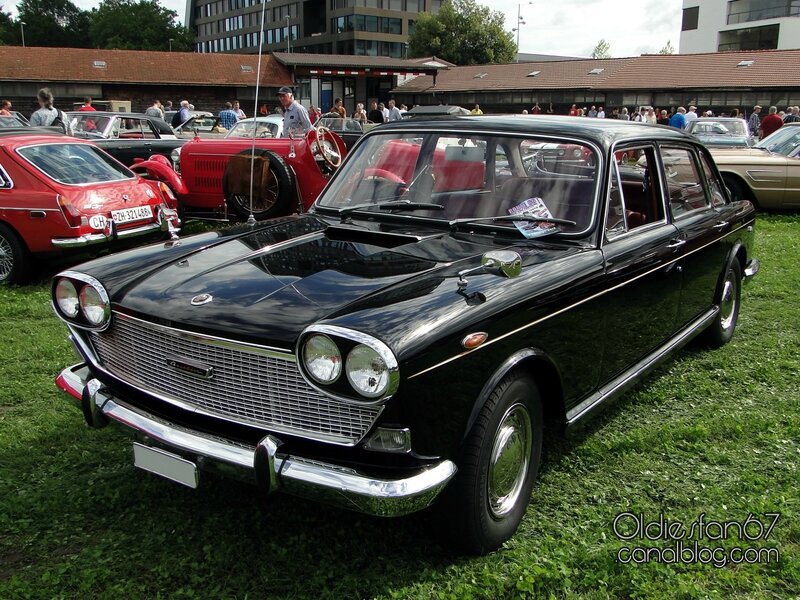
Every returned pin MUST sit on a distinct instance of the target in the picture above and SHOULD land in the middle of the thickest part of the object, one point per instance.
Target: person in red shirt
(771, 123)
(87, 104)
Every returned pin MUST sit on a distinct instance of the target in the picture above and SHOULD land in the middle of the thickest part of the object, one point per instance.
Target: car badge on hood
(125, 198)
(201, 299)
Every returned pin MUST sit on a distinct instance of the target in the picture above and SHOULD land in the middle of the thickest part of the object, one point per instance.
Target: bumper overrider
(264, 464)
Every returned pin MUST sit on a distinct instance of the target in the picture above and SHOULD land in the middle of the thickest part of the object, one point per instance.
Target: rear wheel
(15, 260)
(485, 502)
(729, 296)
(273, 185)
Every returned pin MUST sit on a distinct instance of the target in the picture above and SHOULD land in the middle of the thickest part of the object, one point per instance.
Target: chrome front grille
(237, 382)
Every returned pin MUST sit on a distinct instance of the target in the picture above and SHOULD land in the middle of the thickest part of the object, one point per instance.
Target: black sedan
(455, 288)
(126, 136)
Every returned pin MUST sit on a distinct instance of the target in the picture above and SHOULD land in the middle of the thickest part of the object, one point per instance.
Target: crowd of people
(680, 117)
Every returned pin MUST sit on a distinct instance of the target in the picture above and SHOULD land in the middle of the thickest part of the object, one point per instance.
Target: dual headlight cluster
(81, 300)
(340, 362)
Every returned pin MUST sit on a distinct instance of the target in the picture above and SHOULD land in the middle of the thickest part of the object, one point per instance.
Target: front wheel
(484, 504)
(729, 297)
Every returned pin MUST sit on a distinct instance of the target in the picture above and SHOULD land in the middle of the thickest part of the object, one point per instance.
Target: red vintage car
(212, 175)
(60, 194)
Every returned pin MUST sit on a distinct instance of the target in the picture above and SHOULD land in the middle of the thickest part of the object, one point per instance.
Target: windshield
(784, 141)
(264, 129)
(469, 176)
(75, 164)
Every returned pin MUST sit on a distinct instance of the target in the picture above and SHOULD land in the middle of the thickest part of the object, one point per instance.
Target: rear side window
(714, 184)
(74, 164)
(685, 182)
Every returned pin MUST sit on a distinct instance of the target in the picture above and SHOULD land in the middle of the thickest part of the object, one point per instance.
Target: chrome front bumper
(263, 464)
(167, 221)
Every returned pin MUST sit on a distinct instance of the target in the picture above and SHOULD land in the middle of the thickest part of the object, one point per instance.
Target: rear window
(74, 164)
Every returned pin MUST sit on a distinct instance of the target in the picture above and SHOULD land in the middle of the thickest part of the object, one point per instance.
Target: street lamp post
(170, 43)
(22, 31)
(520, 23)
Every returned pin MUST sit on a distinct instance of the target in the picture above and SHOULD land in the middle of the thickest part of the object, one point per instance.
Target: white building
(720, 25)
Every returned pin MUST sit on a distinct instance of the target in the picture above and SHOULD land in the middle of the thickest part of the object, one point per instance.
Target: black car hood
(273, 282)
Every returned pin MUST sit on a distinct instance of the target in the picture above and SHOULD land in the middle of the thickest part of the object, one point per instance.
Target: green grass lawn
(711, 433)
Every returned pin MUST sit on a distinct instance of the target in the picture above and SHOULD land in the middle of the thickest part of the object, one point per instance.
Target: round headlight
(367, 372)
(95, 309)
(67, 298)
(322, 359)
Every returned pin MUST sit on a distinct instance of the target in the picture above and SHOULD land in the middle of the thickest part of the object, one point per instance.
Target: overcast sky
(573, 27)
(567, 27)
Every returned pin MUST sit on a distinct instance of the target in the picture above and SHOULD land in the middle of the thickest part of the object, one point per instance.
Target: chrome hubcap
(727, 304)
(6, 258)
(510, 460)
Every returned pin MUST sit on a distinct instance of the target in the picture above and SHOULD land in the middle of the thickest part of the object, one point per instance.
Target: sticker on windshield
(533, 207)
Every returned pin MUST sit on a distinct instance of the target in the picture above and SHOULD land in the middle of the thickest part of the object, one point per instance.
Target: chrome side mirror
(508, 262)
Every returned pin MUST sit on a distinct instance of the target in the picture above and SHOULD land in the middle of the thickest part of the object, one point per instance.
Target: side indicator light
(473, 340)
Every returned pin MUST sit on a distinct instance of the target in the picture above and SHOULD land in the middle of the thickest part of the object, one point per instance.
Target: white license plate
(136, 213)
(166, 465)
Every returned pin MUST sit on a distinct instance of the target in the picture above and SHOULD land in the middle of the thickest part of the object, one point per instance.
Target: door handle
(720, 225)
(676, 243)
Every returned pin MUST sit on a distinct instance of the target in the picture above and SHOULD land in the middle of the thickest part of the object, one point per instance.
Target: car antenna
(251, 219)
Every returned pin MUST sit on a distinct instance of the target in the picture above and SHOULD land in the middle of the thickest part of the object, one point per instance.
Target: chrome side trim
(317, 480)
(576, 304)
(631, 376)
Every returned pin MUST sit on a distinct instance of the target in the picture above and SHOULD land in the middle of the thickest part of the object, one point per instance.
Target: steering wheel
(327, 148)
(378, 173)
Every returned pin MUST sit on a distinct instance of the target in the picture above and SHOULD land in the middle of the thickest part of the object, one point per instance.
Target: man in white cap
(691, 115)
(295, 116)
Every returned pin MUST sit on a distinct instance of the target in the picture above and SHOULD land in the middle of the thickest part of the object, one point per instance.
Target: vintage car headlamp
(94, 305)
(175, 157)
(322, 359)
(367, 372)
(66, 297)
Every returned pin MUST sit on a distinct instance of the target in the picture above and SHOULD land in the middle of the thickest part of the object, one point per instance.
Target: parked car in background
(405, 342)
(212, 176)
(768, 173)
(14, 120)
(269, 126)
(350, 130)
(721, 132)
(61, 195)
(201, 124)
(128, 137)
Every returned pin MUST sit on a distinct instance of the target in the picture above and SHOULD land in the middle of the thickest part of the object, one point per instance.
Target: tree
(602, 50)
(142, 25)
(464, 33)
(668, 49)
(53, 23)
(6, 28)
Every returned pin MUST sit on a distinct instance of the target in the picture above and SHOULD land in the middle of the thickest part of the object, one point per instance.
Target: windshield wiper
(344, 212)
(528, 218)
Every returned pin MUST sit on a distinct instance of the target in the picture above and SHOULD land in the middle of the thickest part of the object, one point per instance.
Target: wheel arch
(20, 238)
(742, 183)
(537, 364)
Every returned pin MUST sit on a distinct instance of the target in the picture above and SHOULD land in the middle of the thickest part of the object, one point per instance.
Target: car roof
(600, 131)
(23, 136)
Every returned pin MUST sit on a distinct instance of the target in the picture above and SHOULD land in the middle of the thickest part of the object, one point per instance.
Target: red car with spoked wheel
(215, 177)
